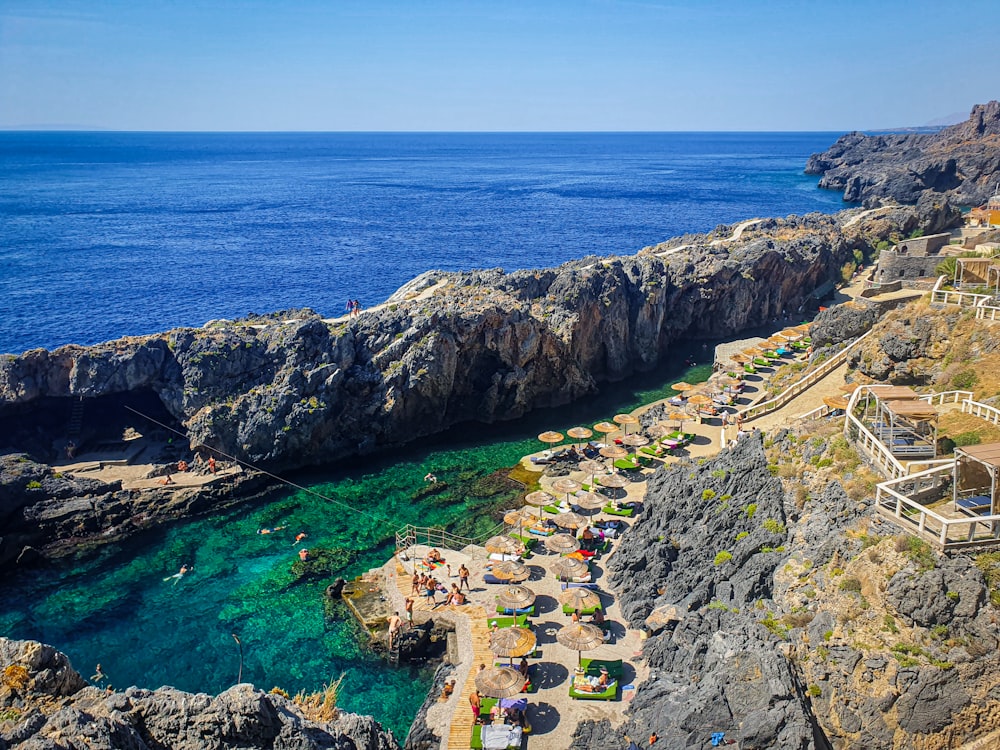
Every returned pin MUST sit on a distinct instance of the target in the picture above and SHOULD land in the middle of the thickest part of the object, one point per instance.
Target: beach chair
(749, 369)
(529, 611)
(613, 511)
(592, 668)
(568, 610)
(505, 621)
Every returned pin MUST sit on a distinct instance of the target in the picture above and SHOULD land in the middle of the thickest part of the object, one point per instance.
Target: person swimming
(266, 530)
(185, 569)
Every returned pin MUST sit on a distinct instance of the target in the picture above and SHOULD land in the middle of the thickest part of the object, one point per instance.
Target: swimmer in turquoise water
(271, 531)
(180, 574)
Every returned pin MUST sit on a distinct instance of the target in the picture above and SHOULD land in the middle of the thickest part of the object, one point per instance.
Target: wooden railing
(911, 515)
(822, 370)
(435, 536)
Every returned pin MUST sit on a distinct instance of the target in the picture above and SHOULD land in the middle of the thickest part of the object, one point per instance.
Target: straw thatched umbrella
(502, 544)
(635, 440)
(791, 334)
(588, 500)
(569, 520)
(679, 416)
(753, 351)
(580, 637)
(580, 433)
(613, 452)
(513, 641)
(625, 420)
(739, 358)
(580, 598)
(519, 517)
(551, 437)
(515, 596)
(606, 428)
(616, 481)
(658, 430)
(566, 485)
(562, 543)
(591, 467)
(570, 567)
(500, 682)
(538, 498)
(682, 386)
(511, 570)
(700, 399)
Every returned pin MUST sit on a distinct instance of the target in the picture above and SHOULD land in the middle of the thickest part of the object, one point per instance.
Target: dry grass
(955, 423)
(320, 706)
(16, 676)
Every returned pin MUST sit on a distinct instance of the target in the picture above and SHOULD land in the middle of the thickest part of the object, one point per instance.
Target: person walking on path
(408, 608)
(463, 578)
(476, 702)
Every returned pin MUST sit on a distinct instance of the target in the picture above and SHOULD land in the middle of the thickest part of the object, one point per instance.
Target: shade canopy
(566, 485)
(551, 437)
(579, 433)
(562, 543)
(513, 641)
(835, 402)
(699, 399)
(658, 430)
(635, 439)
(588, 500)
(569, 520)
(515, 596)
(913, 410)
(502, 544)
(580, 636)
(895, 393)
(590, 466)
(511, 570)
(739, 358)
(682, 386)
(606, 427)
(538, 498)
(580, 598)
(570, 567)
(615, 481)
(626, 419)
(500, 682)
(679, 416)
(613, 451)
(519, 517)
(753, 351)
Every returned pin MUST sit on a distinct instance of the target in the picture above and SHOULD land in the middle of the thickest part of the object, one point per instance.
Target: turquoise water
(114, 607)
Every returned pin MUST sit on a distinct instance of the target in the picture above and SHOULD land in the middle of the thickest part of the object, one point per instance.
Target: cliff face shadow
(548, 674)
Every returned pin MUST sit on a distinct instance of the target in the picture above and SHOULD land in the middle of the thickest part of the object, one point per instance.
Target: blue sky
(497, 65)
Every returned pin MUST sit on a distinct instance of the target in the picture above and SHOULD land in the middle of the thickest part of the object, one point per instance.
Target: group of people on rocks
(353, 308)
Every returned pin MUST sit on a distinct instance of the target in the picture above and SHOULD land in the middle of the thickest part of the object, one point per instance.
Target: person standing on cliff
(211, 464)
(463, 577)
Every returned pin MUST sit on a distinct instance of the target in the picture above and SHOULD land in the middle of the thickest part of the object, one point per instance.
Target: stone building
(911, 259)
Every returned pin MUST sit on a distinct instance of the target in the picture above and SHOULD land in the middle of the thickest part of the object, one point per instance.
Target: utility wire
(288, 482)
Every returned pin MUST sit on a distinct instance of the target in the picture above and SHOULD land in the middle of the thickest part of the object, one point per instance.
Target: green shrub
(34, 485)
(889, 624)
(742, 535)
(964, 380)
(774, 526)
(827, 635)
(815, 691)
(707, 495)
(967, 438)
(918, 551)
(953, 595)
(723, 557)
(849, 583)
(750, 510)
(939, 631)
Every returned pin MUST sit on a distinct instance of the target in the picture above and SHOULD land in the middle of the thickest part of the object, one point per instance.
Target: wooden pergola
(975, 486)
(973, 272)
(902, 421)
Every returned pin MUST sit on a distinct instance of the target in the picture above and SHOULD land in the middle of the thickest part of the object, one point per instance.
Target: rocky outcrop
(46, 705)
(784, 615)
(961, 163)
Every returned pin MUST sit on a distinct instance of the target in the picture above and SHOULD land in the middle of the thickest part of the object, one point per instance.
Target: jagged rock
(61, 712)
(952, 592)
(960, 163)
(842, 323)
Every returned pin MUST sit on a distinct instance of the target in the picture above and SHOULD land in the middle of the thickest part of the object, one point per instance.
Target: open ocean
(108, 234)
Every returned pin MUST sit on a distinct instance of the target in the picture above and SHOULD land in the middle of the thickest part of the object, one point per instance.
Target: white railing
(949, 297)
(856, 432)
(822, 370)
(433, 536)
(983, 411)
(985, 311)
(947, 397)
(915, 517)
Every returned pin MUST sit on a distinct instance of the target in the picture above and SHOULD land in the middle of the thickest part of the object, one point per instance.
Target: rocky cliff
(46, 705)
(961, 162)
(785, 616)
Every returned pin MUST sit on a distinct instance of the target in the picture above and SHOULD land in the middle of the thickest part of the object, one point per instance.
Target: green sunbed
(625, 465)
(761, 362)
(614, 666)
(477, 737)
(771, 355)
(749, 368)
(568, 610)
(613, 511)
(528, 611)
(594, 670)
(506, 621)
(554, 510)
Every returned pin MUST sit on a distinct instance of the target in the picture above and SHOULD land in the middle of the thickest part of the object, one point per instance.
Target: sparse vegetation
(723, 557)
(320, 706)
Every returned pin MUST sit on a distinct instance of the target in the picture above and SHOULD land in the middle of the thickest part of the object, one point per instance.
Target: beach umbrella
(538, 498)
(500, 682)
(513, 641)
(625, 420)
(835, 402)
(614, 480)
(739, 358)
(579, 433)
(700, 399)
(658, 430)
(503, 545)
(569, 520)
(580, 637)
(613, 452)
(588, 500)
(682, 386)
(551, 437)
(753, 351)
(635, 440)
(591, 467)
(519, 517)
(511, 570)
(580, 598)
(570, 567)
(679, 416)
(606, 428)
(562, 543)
(566, 485)
(790, 334)
(515, 596)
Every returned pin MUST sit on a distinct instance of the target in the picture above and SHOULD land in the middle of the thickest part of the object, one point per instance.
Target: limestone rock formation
(961, 162)
(46, 705)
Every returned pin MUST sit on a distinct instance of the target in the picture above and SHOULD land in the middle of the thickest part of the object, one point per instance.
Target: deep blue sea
(110, 234)
(107, 234)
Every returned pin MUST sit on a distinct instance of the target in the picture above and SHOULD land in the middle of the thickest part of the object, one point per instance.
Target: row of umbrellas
(620, 423)
(516, 571)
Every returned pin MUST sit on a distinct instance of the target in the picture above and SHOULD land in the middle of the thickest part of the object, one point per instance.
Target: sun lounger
(614, 666)
(506, 621)
(571, 585)
(593, 669)
(490, 578)
(976, 505)
(625, 465)
(568, 610)
(579, 579)
(529, 611)
(612, 510)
